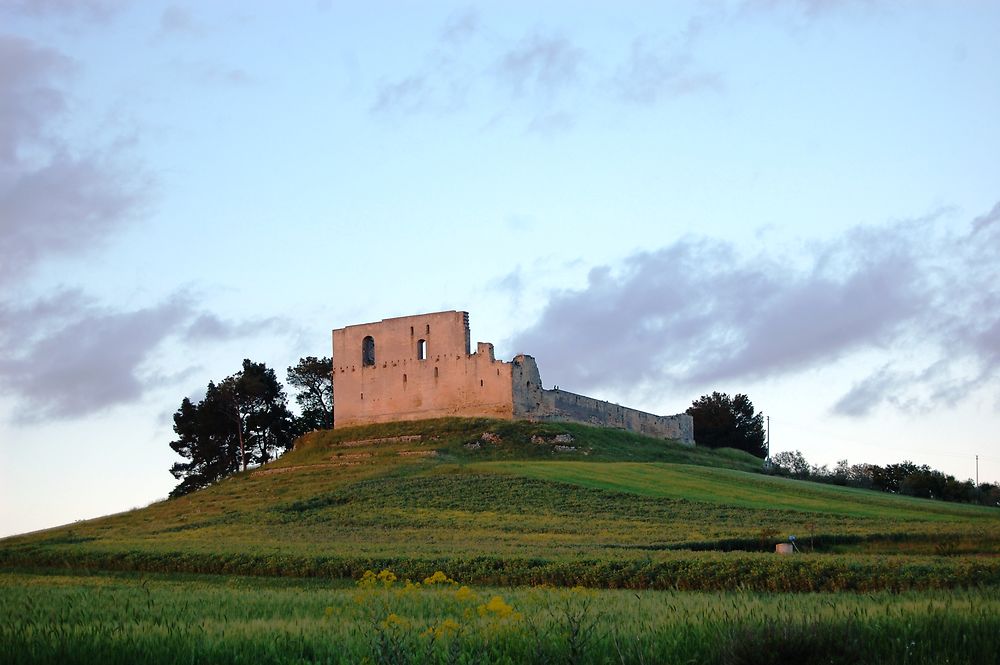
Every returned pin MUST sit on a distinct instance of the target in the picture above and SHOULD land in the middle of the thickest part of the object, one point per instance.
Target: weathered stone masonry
(415, 367)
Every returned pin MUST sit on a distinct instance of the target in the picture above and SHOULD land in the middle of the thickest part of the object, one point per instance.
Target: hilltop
(506, 501)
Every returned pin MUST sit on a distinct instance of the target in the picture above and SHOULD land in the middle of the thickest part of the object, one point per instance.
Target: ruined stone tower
(414, 367)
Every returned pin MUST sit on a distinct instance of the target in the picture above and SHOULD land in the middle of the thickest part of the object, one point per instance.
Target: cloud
(654, 73)
(67, 356)
(176, 20)
(540, 65)
(29, 94)
(76, 357)
(810, 8)
(406, 95)
(869, 393)
(700, 312)
(208, 327)
(99, 10)
(461, 26)
(52, 200)
(64, 207)
(992, 217)
(537, 77)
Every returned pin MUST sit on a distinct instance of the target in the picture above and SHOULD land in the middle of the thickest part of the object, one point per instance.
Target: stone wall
(415, 367)
(533, 402)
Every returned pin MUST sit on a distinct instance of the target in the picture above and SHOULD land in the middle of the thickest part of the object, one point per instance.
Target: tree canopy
(243, 420)
(901, 478)
(312, 379)
(721, 421)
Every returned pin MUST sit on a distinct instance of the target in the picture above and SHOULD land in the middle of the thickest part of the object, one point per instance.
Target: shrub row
(695, 571)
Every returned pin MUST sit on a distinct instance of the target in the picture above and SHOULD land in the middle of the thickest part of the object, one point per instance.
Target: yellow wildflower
(496, 607)
(367, 580)
(438, 578)
(443, 629)
(464, 593)
(395, 621)
(386, 577)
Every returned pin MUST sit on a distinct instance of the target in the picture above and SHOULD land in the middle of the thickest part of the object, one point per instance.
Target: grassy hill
(501, 501)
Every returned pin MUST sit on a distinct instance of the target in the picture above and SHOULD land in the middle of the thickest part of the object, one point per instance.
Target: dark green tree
(721, 421)
(312, 379)
(791, 463)
(243, 420)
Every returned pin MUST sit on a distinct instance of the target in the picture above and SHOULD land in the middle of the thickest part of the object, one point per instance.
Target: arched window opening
(422, 349)
(428, 329)
(435, 372)
(368, 352)
(404, 378)
(480, 383)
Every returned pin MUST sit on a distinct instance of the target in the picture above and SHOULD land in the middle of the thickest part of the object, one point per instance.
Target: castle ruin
(415, 367)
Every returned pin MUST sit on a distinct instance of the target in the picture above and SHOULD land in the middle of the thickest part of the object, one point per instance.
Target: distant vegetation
(905, 478)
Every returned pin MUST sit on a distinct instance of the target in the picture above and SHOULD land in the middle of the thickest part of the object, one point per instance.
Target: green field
(673, 545)
(608, 509)
(182, 619)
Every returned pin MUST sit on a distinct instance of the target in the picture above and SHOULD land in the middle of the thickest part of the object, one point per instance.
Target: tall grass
(156, 619)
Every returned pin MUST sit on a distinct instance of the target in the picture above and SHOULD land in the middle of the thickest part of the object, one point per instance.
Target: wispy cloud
(98, 10)
(178, 21)
(405, 95)
(209, 327)
(653, 73)
(461, 26)
(700, 312)
(811, 8)
(540, 64)
(539, 76)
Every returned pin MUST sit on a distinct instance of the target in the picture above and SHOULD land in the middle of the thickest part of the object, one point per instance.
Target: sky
(794, 199)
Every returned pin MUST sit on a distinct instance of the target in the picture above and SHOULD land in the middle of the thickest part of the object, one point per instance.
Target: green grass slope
(517, 501)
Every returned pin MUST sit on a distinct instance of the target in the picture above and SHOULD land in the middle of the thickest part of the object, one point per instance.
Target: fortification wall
(421, 368)
(415, 367)
(533, 402)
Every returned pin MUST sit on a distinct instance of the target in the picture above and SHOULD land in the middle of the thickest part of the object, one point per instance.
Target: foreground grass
(110, 618)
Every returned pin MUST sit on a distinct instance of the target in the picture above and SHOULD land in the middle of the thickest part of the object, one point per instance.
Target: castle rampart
(414, 367)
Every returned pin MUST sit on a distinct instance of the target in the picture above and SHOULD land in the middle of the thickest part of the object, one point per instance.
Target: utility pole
(769, 446)
(977, 470)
